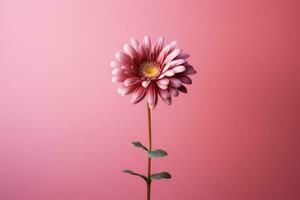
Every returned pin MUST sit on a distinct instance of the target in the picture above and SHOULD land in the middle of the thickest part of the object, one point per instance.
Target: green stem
(149, 148)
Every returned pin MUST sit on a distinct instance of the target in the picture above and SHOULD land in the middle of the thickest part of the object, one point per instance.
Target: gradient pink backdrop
(65, 133)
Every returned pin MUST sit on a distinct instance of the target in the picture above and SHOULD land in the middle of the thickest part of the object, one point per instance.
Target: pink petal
(173, 91)
(163, 53)
(123, 58)
(126, 90)
(163, 81)
(185, 79)
(142, 51)
(159, 45)
(131, 81)
(182, 89)
(173, 63)
(137, 95)
(135, 44)
(161, 76)
(130, 51)
(151, 95)
(189, 70)
(183, 56)
(173, 45)
(118, 72)
(119, 79)
(152, 55)
(175, 82)
(130, 73)
(145, 83)
(172, 55)
(115, 64)
(161, 86)
(120, 88)
(152, 106)
(165, 96)
(178, 69)
(127, 68)
(169, 73)
(168, 101)
(147, 45)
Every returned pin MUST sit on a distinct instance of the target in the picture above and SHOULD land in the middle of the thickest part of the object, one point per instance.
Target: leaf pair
(152, 154)
(135, 174)
(157, 176)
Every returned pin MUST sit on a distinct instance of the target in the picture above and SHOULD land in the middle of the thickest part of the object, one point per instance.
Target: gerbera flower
(148, 70)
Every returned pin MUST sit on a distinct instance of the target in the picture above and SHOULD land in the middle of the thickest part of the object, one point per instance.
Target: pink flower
(150, 70)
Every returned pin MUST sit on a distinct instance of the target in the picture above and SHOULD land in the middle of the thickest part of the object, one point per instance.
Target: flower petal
(178, 69)
(161, 86)
(116, 79)
(169, 73)
(145, 83)
(185, 79)
(182, 89)
(130, 51)
(165, 96)
(137, 95)
(120, 88)
(175, 82)
(118, 72)
(152, 55)
(152, 106)
(135, 44)
(172, 55)
(131, 81)
(127, 68)
(163, 81)
(115, 64)
(173, 64)
(161, 76)
(151, 95)
(142, 52)
(123, 58)
(165, 51)
(173, 91)
(173, 45)
(146, 45)
(126, 90)
(159, 45)
(183, 56)
(156, 48)
(189, 70)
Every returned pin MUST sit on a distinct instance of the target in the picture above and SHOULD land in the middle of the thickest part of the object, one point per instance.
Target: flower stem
(150, 148)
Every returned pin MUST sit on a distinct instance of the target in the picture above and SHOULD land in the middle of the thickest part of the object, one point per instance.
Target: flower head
(148, 70)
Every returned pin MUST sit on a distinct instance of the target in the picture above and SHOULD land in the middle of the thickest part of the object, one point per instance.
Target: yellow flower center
(150, 69)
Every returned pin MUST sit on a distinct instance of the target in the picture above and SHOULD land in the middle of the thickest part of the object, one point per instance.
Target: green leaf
(157, 153)
(161, 175)
(140, 145)
(135, 174)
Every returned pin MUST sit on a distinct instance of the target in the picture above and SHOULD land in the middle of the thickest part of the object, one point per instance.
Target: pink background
(65, 133)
